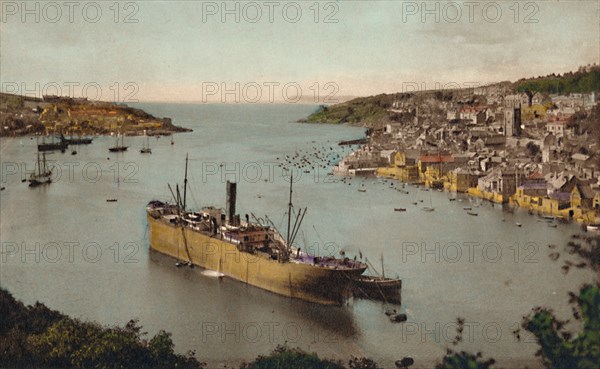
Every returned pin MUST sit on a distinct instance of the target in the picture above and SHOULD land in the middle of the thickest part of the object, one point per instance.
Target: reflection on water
(66, 246)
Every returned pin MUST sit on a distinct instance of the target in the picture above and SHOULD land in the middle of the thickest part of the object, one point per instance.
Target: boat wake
(213, 274)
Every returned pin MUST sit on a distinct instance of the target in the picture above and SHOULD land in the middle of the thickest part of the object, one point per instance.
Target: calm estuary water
(64, 245)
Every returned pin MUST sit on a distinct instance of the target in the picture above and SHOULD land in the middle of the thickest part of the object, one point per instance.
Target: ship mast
(289, 212)
(185, 181)
(39, 168)
(44, 164)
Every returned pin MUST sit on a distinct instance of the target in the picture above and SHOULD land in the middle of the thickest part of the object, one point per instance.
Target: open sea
(66, 246)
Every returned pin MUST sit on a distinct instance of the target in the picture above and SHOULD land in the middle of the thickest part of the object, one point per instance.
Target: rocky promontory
(23, 115)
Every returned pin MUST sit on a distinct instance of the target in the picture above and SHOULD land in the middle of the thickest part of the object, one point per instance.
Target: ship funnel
(230, 199)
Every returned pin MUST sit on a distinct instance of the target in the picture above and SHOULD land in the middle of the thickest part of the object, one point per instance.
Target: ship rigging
(248, 251)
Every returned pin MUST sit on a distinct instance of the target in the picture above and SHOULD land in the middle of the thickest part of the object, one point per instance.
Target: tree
(560, 348)
(35, 336)
(362, 363)
(284, 357)
(532, 148)
(462, 359)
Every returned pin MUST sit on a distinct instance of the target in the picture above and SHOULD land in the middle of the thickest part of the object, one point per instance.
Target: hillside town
(536, 151)
(53, 115)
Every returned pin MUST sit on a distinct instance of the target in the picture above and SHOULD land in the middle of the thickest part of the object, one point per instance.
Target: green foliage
(368, 111)
(558, 347)
(39, 337)
(162, 349)
(464, 360)
(532, 148)
(578, 82)
(284, 357)
(287, 358)
(352, 112)
(589, 251)
(88, 345)
(362, 363)
(18, 323)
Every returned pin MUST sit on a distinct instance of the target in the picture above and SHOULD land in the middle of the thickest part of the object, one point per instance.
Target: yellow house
(498, 186)
(582, 196)
(432, 169)
(531, 193)
(553, 206)
(403, 169)
(460, 180)
(407, 166)
(534, 111)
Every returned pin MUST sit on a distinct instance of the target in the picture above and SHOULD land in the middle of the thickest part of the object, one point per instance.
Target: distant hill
(360, 110)
(56, 114)
(585, 80)
(377, 110)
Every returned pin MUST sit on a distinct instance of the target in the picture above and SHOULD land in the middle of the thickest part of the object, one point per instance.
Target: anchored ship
(76, 141)
(119, 147)
(250, 252)
(377, 287)
(51, 146)
(146, 147)
(42, 174)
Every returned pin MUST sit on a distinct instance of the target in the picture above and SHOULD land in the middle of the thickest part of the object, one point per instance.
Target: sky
(283, 51)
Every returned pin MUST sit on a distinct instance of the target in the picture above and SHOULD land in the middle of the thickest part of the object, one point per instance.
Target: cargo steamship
(248, 251)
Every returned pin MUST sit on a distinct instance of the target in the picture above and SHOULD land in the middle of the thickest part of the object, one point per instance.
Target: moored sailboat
(119, 147)
(146, 148)
(378, 287)
(42, 174)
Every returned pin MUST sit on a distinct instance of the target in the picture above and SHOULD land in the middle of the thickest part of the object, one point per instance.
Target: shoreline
(59, 115)
(132, 133)
(567, 215)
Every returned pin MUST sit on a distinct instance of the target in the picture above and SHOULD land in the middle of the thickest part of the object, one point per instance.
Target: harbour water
(65, 245)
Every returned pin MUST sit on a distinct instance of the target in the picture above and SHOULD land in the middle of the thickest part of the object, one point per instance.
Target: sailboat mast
(38, 164)
(289, 212)
(382, 268)
(185, 181)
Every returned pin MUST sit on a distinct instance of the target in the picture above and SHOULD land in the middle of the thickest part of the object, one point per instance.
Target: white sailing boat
(146, 148)
(430, 207)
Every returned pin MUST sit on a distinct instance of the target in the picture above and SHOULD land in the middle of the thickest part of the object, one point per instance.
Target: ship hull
(118, 149)
(79, 141)
(388, 290)
(308, 282)
(52, 146)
